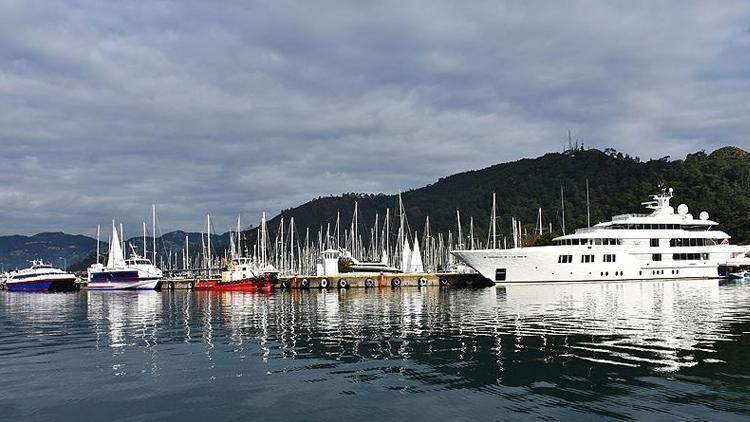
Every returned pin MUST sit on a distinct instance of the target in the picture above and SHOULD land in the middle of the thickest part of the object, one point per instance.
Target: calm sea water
(654, 350)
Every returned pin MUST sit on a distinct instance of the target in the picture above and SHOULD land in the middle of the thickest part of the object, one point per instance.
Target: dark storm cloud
(241, 107)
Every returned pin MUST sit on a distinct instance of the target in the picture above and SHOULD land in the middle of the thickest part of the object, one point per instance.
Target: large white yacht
(661, 245)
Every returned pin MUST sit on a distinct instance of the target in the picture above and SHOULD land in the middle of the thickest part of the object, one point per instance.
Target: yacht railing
(627, 216)
(588, 229)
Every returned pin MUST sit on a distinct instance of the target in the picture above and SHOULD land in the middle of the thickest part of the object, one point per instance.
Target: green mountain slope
(718, 183)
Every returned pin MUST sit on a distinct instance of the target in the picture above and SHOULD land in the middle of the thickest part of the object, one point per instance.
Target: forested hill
(59, 249)
(718, 183)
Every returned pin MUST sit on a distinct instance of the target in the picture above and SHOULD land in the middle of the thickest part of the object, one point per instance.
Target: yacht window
(597, 241)
(689, 256)
(654, 243)
(690, 242)
(587, 258)
(609, 258)
(565, 259)
(500, 274)
(656, 257)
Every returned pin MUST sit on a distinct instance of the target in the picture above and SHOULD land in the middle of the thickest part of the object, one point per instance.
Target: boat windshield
(137, 262)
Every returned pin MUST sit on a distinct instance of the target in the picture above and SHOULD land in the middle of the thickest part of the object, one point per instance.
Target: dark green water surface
(643, 350)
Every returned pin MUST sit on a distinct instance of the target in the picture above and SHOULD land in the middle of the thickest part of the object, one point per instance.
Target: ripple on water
(614, 350)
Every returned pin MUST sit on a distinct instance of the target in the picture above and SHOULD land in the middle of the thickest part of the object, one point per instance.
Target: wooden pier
(360, 280)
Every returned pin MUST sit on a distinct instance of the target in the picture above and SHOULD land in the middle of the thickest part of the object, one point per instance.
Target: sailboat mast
(338, 230)
(401, 234)
(494, 220)
(471, 233)
(540, 222)
(263, 240)
(239, 238)
(153, 231)
(460, 244)
(208, 241)
(145, 254)
(291, 245)
(354, 232)
(98, 233)
(388, 233)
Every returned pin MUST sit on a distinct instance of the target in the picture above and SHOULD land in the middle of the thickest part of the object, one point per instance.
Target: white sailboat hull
(147, 284)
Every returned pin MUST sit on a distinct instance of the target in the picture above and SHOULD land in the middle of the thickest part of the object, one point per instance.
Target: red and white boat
(242, 274)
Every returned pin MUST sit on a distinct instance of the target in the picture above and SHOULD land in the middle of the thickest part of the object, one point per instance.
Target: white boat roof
(663, 217)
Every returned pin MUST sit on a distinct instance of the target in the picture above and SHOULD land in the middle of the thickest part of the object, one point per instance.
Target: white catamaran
(661, 245)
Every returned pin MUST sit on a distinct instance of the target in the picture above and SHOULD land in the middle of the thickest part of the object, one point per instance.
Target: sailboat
(134, 273)
(411, 259)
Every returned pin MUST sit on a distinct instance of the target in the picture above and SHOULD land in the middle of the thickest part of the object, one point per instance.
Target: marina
(374, 211)
(668, 243)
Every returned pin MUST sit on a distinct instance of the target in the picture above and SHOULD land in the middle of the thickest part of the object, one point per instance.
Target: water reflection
(126, 320)
(608, 349)
(653, 324)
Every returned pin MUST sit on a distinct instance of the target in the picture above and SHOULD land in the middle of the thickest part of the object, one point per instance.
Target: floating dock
(359, 280)
(391, 280)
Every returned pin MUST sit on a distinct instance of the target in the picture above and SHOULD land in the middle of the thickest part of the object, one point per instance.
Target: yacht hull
(43, 285)
(140, 284)
(127, 279)
(540, 264)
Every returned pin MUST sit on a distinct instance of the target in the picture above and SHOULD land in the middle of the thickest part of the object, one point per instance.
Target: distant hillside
(173, 242)
(56, 248)
(718, 183)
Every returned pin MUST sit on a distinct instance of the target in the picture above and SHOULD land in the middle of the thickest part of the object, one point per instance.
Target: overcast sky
(244, 107)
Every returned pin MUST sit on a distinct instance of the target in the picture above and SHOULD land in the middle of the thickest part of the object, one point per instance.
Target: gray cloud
(244, 107)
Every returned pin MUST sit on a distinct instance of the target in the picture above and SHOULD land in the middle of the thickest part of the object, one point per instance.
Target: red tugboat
(242, 274)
